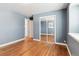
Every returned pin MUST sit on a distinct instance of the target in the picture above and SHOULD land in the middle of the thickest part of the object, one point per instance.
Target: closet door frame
(47, 29)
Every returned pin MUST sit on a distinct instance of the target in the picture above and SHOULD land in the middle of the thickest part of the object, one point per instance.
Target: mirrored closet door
(47, 29)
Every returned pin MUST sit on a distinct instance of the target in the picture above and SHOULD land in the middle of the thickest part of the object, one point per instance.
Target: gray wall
(73, 22)
(74, 19)
(61, 22)
(73, 46)
(43, 27)
(11, 26)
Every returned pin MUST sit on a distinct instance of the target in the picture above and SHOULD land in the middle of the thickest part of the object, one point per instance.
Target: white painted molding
(13, 42)
(66, 46)
(68, 50)
(60, 43)
(36, 39)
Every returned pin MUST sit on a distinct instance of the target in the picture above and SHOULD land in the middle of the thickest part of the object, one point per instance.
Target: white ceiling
(28, 9)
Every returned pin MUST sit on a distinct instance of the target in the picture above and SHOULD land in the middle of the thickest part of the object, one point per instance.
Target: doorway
(26, 27)
(47, 29)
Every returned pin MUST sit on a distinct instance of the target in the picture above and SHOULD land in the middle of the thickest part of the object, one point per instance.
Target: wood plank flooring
(29, 47)
(51, 38)
(47, 38)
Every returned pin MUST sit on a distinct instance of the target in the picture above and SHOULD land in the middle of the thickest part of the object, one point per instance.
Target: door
(47, 29)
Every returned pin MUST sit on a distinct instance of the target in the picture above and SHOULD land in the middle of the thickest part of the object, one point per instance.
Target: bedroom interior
(39, 29)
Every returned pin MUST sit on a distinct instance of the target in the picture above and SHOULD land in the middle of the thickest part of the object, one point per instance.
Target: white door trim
(47, 29)
(26, 26)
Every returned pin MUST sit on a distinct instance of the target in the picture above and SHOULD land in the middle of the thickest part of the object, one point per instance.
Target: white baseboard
(68, 50)
(6, 44)
(60, 43)
(66, 46)
(36, 39)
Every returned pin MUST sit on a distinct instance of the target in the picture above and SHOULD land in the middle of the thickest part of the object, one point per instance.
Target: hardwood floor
(47, 38)
(44, 38)
(29, 47)
(51, 38)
